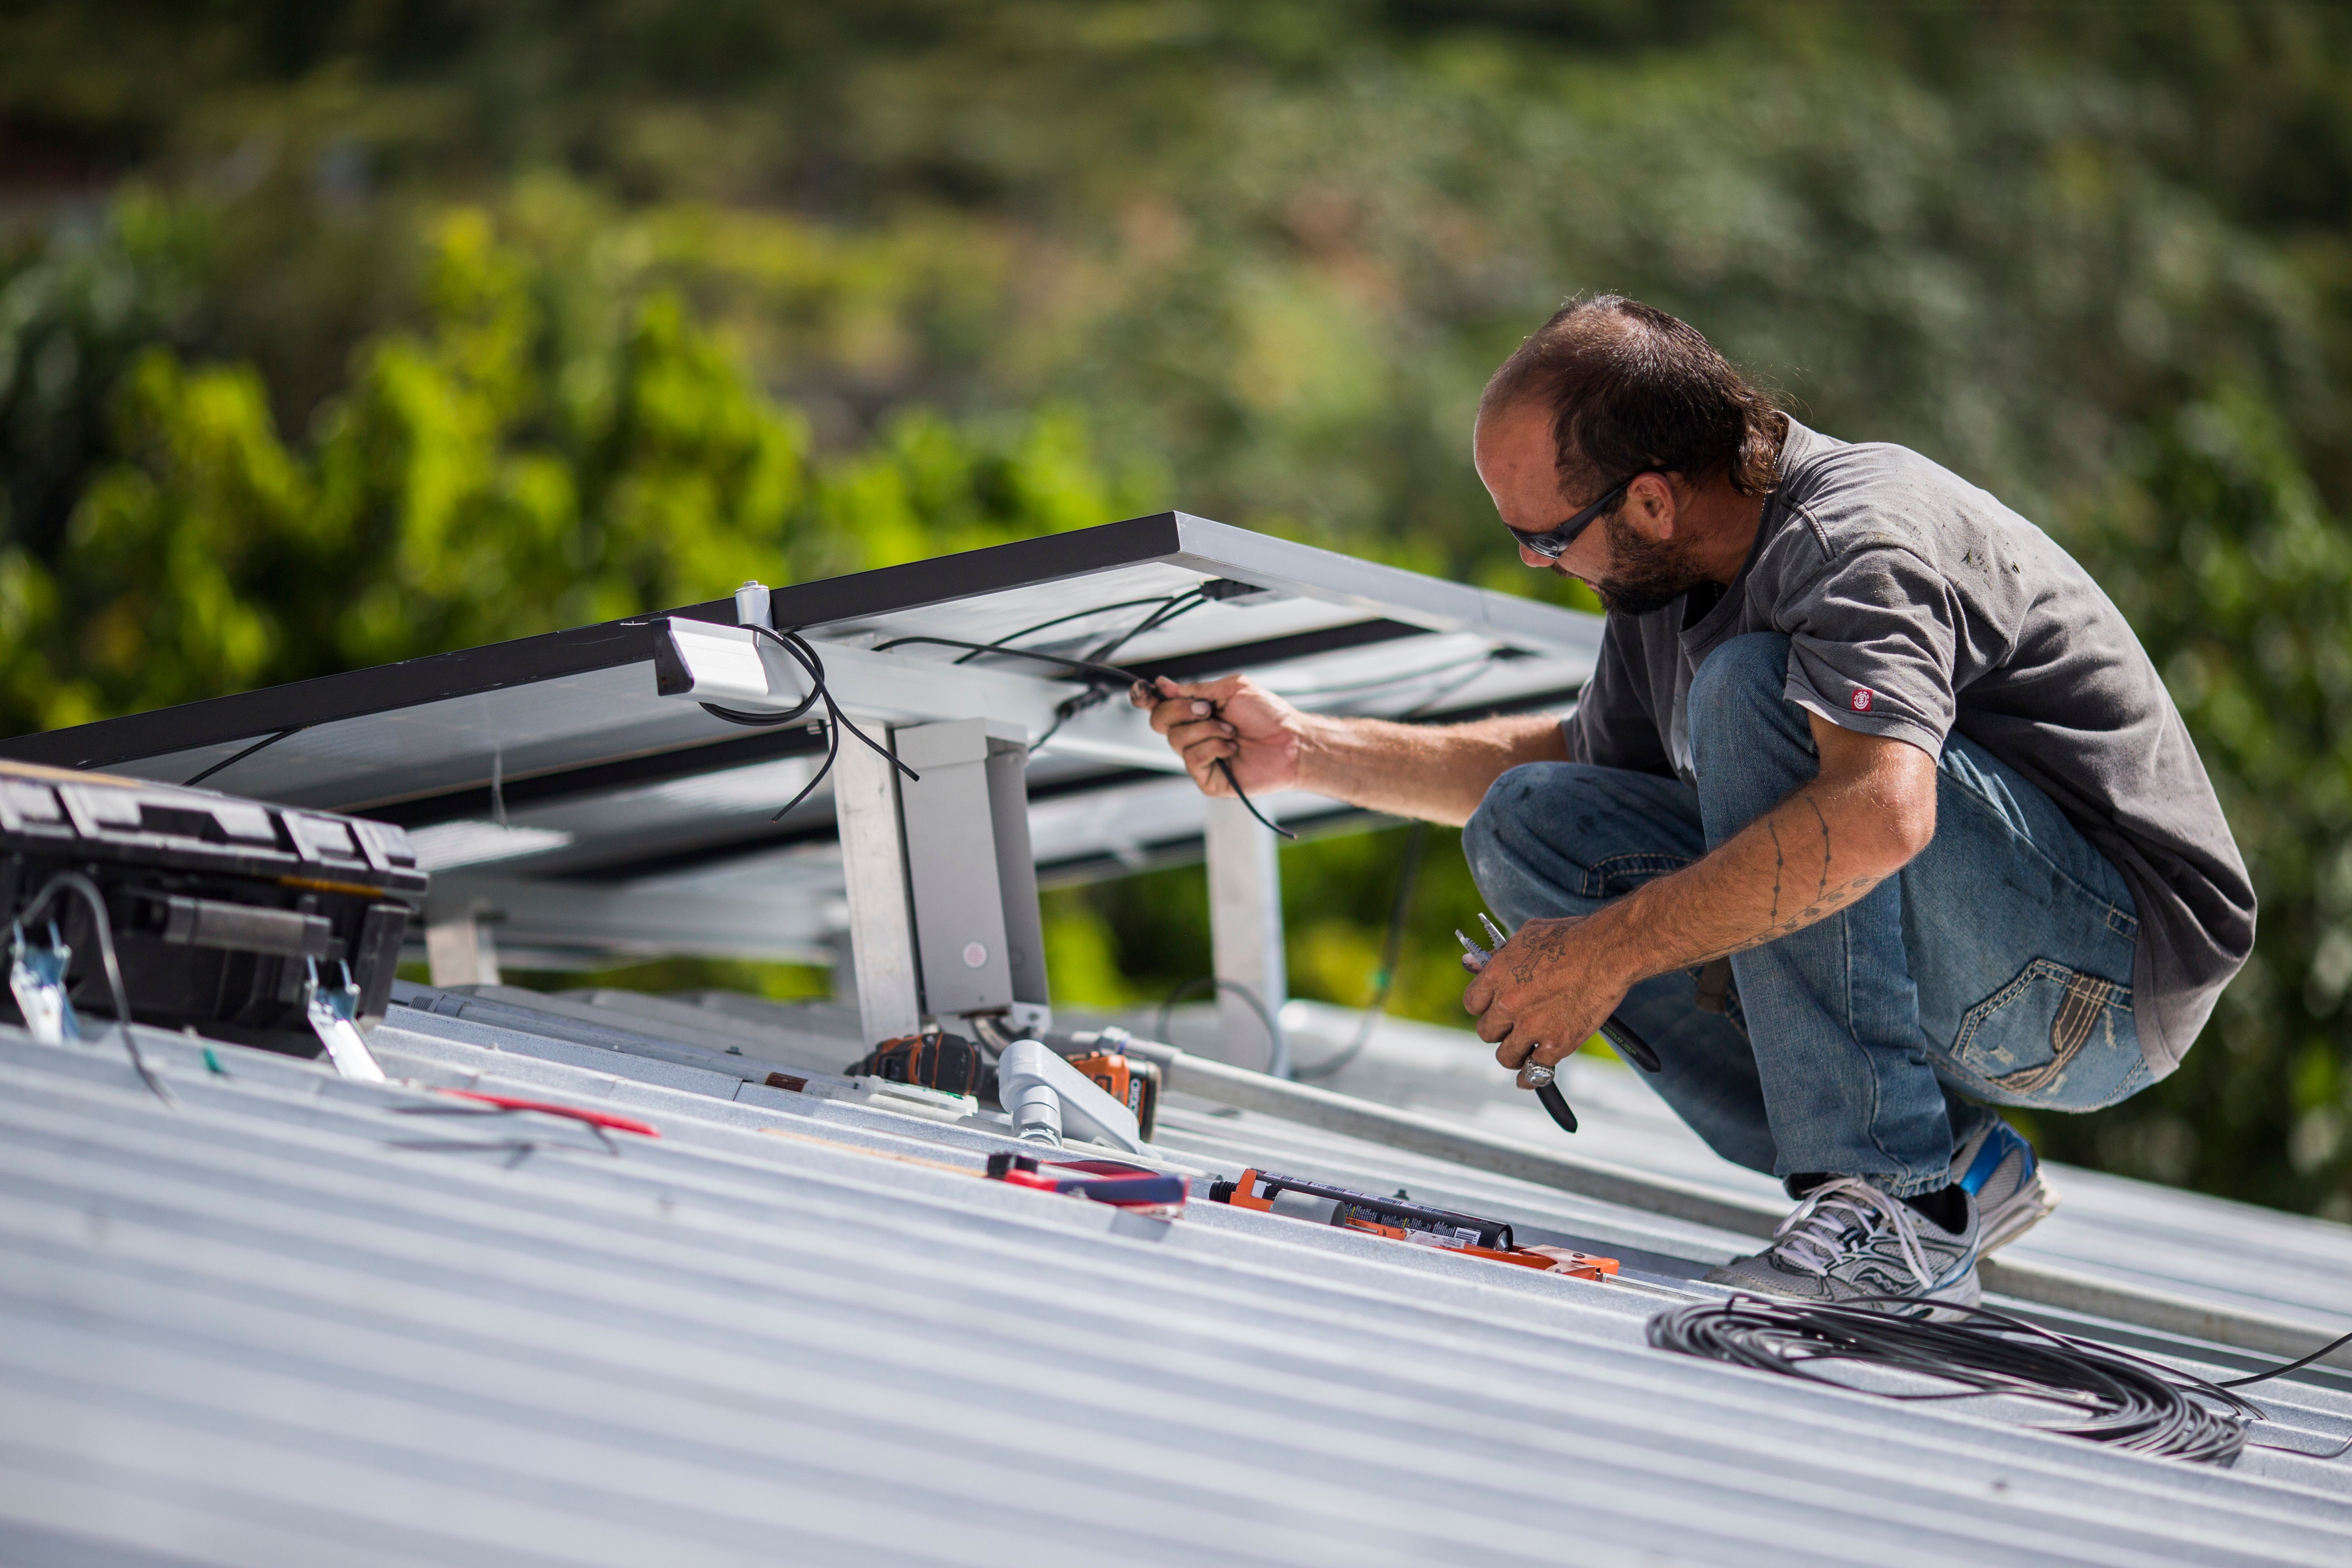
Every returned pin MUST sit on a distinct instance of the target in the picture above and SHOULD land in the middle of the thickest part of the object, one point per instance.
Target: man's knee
(1738, 696)
(1493, 838)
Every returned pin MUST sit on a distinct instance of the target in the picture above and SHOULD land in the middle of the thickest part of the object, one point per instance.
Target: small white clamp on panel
(751, 604)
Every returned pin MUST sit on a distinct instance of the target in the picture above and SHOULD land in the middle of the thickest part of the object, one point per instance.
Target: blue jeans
(1996, 967)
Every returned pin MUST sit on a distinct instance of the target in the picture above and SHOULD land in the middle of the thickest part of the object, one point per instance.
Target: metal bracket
(873, 870)
(1245, 930)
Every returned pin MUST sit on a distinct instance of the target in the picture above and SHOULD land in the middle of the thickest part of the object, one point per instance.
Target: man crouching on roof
(1874, 817)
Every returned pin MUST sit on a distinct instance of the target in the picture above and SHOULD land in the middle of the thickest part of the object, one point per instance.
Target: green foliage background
(339, 332)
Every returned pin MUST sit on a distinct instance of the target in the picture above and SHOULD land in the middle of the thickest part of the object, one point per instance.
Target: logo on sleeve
(1863, 698)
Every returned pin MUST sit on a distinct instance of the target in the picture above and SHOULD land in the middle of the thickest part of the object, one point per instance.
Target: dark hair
(1631, 389)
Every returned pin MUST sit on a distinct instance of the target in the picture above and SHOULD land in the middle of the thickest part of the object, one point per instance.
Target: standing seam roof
(295, 1321)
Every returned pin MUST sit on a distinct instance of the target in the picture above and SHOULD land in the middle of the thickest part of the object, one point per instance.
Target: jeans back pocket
(2055, 1037)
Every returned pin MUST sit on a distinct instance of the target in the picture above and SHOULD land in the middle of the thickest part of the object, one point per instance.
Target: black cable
(1392, 954)
(2331, 1345)
(2116, 1397)
(266, 740)
(1165, 610)
(1183, 604)
(87, 890)
(1225, 767)
(793, 643)
(1277, 1056)
(1068, 708)
(1109, 673)
(1158, 603)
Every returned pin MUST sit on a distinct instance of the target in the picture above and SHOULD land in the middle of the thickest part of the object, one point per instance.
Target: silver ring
(1535, 1075)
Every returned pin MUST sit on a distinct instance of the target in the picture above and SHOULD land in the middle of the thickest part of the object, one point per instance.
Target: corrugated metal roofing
(294, 1322)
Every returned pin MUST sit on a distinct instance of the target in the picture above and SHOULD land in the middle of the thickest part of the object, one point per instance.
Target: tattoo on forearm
(1823, 889)
(1826, 899)
(1541, 944)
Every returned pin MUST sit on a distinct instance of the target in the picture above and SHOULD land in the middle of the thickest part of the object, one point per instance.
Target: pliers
(1534, 1075)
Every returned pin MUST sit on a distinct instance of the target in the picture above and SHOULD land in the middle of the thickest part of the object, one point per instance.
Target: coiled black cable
(2110, 1395)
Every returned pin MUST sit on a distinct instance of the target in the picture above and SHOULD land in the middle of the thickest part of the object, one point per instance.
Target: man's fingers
(1495, 1024)
(1200, 760)
(1511, 1053)
(1478, 993)
(1186, 731)
(1551, 1055)
(1215, 690)
(1176, 712)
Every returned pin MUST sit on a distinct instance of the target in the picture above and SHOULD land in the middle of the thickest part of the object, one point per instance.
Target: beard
(1644, 574)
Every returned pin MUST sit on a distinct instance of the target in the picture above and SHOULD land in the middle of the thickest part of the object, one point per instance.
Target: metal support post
(974, 879)
(460, 951)
(1245, 930)
(873, 867)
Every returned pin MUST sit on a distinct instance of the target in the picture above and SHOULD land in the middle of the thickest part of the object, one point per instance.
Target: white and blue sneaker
(1997, 1167)
(1849, 1239)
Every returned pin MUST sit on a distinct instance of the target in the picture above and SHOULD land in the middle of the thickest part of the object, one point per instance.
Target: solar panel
(548, 779)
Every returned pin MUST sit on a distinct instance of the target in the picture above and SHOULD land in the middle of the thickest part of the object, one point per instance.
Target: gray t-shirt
(1916, 605)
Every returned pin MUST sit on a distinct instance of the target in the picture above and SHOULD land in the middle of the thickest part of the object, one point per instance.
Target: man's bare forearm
(1439, 773)
(1823, 848)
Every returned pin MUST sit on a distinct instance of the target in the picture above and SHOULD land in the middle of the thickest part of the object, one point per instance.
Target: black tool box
(223, 911)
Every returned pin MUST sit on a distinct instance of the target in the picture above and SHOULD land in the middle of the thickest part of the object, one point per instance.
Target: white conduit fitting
(1049, 1099)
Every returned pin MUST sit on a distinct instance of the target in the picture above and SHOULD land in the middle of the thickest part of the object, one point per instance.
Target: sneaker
(1849, 1239)
(1998, 1168)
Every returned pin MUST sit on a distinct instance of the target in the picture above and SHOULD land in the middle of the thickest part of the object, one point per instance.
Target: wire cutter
(1534, 1075)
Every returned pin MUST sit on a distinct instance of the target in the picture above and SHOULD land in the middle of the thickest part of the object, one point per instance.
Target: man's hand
(1233, 719)
(1546, 991)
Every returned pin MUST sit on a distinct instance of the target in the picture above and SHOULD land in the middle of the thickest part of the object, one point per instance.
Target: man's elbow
(1884, 791)
(1913, 829)
(1907, 815)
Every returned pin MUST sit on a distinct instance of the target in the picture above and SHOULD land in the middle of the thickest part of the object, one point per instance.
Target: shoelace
(1813, 1238)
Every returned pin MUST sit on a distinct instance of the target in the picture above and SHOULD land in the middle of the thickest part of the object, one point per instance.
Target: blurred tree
(2223, 557)
(512, 468)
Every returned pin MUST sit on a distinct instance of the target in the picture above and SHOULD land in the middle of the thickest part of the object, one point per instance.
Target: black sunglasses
(1553, 542)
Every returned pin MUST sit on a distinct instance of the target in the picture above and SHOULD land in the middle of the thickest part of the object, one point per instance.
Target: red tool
(1136, 1188)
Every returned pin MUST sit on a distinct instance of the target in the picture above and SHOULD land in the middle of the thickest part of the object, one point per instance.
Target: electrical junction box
(222, 909)
(979, 940)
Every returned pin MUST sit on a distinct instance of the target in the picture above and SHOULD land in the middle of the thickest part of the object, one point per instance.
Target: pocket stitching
(2040, 969)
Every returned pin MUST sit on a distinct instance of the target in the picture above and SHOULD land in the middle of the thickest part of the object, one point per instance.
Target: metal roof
(291, 1321)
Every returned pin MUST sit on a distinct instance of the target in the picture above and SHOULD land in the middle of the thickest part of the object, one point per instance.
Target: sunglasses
(1553, 542)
